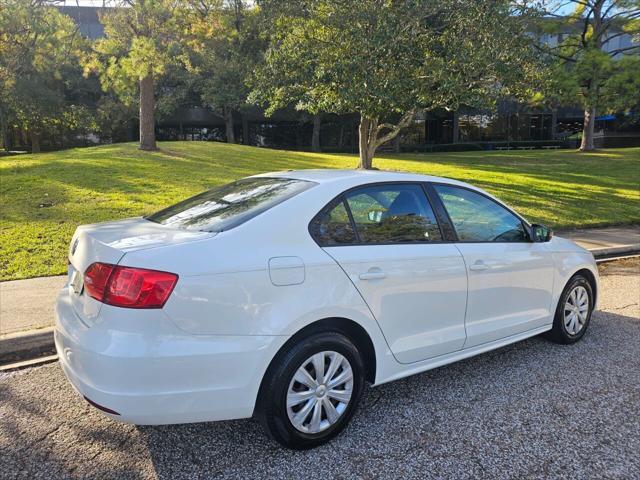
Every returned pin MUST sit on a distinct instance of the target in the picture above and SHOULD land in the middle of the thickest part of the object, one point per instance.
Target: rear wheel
(312, 391)
(573, 313)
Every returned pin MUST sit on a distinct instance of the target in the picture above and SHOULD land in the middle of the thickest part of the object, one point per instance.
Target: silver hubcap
(319, 392)
(576, 310)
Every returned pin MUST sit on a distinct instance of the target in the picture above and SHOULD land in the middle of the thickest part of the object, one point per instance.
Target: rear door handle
(478, 266)
(372, 275)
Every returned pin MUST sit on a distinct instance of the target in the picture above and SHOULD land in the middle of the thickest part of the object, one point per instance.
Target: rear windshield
(228, 206)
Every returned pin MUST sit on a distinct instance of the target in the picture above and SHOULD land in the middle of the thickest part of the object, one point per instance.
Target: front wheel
(312, 391)
(573, 313)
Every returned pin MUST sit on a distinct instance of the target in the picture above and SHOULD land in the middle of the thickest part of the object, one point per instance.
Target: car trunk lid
(108, 243)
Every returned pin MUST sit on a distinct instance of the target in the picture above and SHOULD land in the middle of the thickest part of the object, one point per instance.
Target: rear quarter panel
(225, 287)
(248, 303)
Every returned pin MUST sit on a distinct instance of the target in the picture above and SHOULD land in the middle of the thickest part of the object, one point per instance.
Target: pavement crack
(45, 436)
(73, 468)
(100, 451)
(624, 306)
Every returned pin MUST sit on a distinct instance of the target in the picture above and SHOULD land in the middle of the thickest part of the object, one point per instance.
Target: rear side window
(393, 214)
(230, 205)
(332, 226)
(380, 214)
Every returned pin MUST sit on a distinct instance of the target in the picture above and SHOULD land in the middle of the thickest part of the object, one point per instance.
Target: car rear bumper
(162, 377)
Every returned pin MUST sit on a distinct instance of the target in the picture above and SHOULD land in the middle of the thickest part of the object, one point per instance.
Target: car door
(510, 278)
(387, 240)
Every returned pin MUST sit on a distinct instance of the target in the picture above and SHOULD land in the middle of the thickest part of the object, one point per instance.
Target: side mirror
(540, 233)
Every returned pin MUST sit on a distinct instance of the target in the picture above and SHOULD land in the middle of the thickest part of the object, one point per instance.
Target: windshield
(230, 205)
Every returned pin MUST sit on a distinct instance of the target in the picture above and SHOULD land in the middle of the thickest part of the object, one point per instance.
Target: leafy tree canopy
(143, 38)
(225, 47)
(39, 49)
(387, 59)
(588, 66)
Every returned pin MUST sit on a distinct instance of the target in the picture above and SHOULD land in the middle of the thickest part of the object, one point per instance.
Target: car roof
(357, 177)
(346, 179)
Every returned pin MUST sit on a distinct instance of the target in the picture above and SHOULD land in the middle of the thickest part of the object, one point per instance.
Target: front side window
(228, 206)
(392, 214)
(477, 218)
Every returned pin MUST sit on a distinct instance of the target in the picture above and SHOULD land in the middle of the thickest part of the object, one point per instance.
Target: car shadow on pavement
(39, 439)
(530, 409)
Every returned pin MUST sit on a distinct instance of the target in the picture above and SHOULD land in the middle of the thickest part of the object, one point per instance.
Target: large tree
(589, 65)
(262, 92)
(39, 51)
(387, 59)
(142, 38)
(225, 48)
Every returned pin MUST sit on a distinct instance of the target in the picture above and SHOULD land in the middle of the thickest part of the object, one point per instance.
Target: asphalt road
(533, 409)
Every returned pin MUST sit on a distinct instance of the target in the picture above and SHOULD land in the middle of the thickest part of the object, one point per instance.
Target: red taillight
(96, 278)
(128, 286)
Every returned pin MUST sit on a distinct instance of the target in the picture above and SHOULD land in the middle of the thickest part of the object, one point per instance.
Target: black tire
(559, 332)
(272, 408)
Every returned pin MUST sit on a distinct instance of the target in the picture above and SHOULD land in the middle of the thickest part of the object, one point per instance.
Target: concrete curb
(34, 362)
(608, 252)
(22, 345)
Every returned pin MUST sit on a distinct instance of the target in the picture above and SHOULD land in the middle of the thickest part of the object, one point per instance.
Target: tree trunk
(299, 138)
(6, 142)
(4, 131)
(228, 123)
(587, 130)
(147, 114)
(365, 143)
(396, 144)
(35, 141)
(315, 137)
(456, 128)
(245, 130)
(370, 138)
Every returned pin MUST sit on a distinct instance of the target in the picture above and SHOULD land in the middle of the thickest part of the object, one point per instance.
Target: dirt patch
(627, 266)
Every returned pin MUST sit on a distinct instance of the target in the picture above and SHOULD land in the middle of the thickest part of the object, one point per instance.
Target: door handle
(372, 275)
(478, 266)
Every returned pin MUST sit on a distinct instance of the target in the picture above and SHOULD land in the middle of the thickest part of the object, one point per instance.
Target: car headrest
(403, 204)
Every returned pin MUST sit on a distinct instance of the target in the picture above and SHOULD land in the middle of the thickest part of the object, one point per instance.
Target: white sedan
(280, 295)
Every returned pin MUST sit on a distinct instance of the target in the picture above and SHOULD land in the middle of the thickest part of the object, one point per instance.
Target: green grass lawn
(44, 197)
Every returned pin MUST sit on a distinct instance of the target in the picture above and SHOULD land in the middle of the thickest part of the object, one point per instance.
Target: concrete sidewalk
(604, 240)
(26, 305)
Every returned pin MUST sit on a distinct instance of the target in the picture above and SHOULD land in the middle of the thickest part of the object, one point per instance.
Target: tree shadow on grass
(112, 182)
(155, 177)
(620, 171)
(128, 173)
